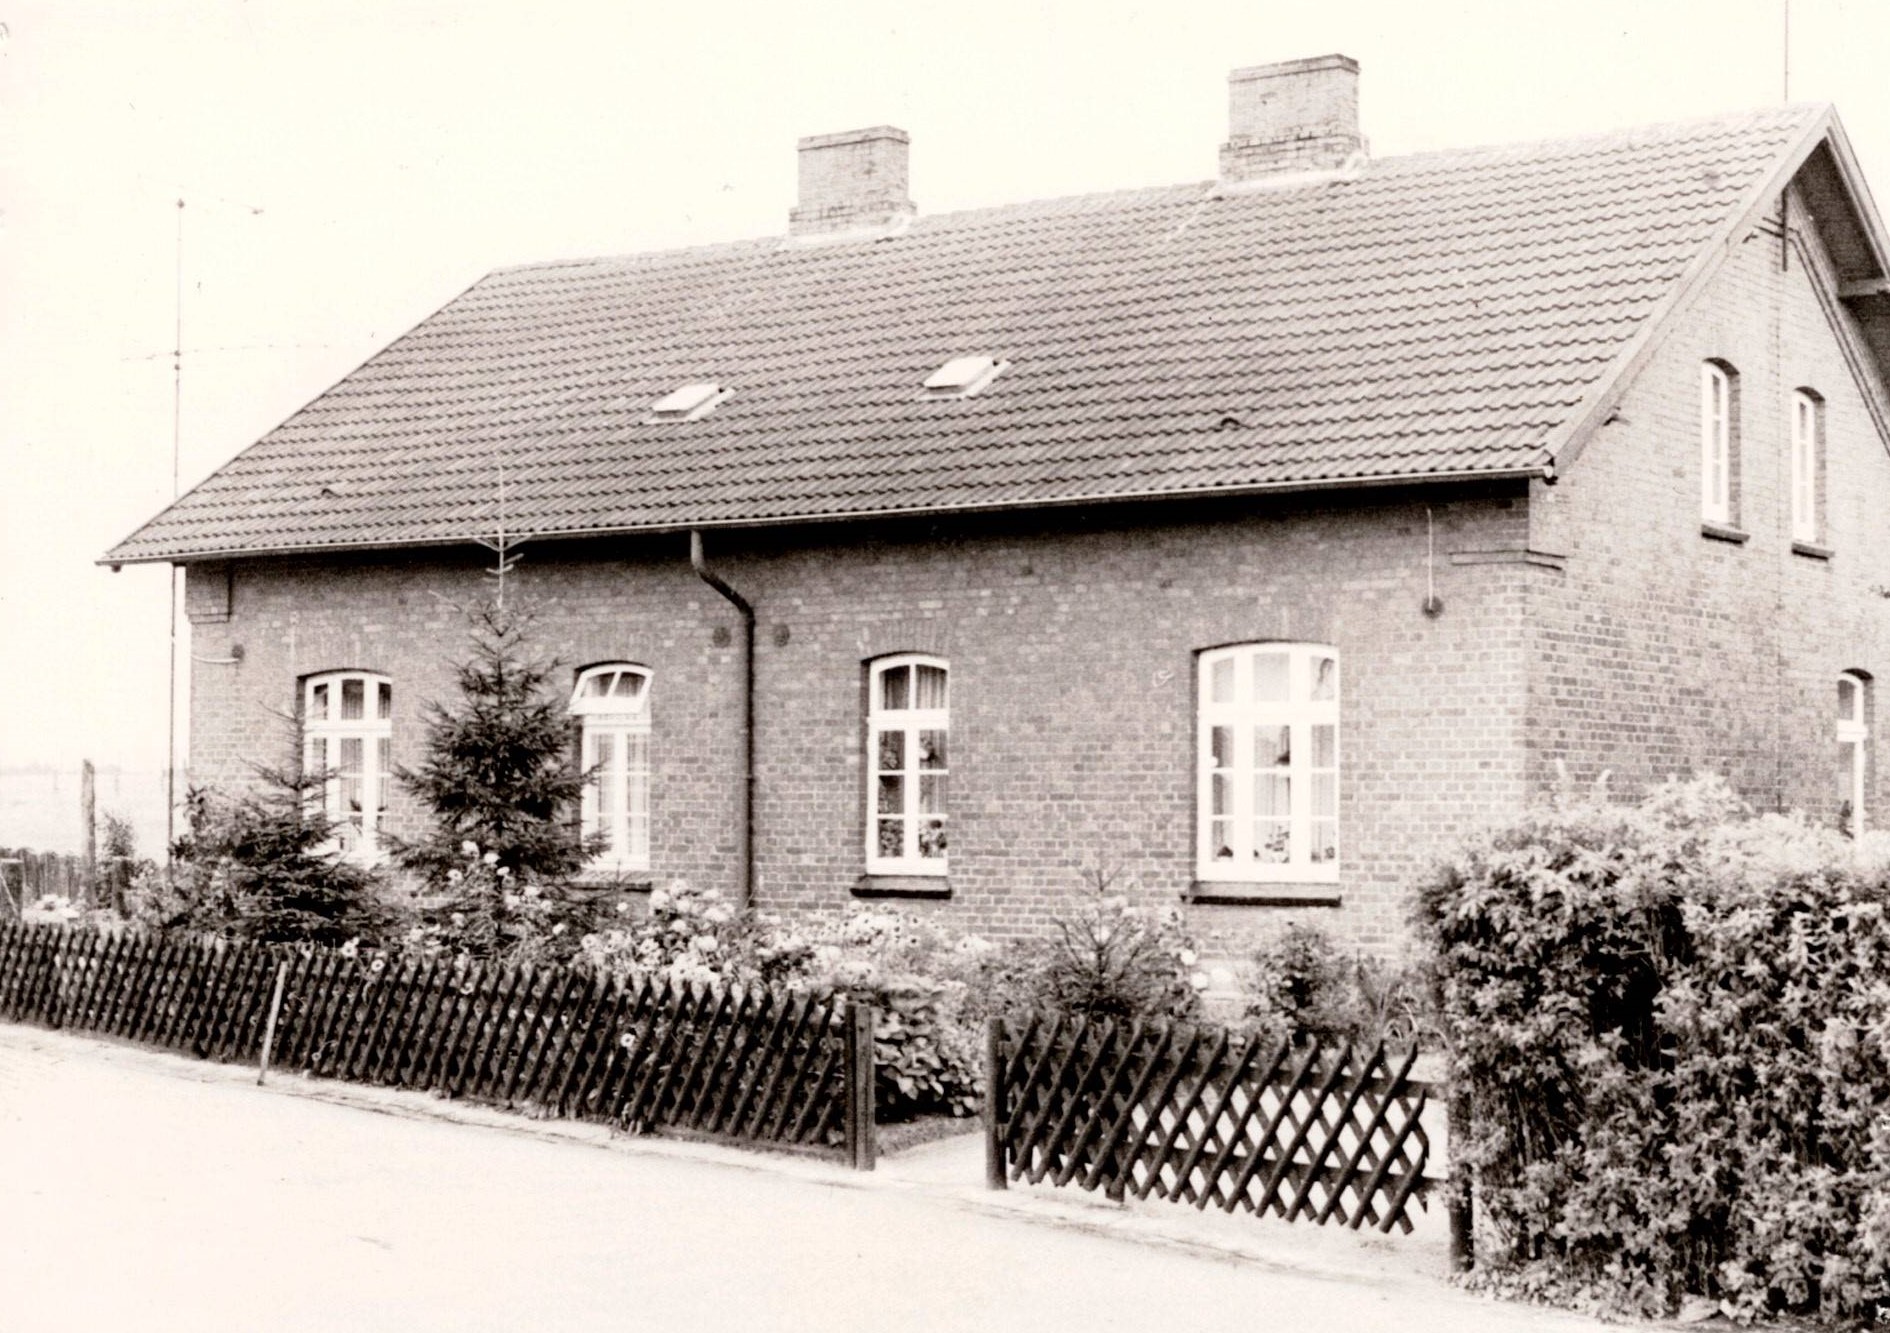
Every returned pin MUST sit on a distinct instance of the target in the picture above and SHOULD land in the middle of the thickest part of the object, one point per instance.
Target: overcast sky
(350, 165)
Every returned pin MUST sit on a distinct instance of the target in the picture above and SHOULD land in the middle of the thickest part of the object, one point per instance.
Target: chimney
(852, 182)
(1298, 116)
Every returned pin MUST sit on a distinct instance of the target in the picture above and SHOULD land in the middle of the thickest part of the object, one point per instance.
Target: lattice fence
(791, 1070)
(1198, 1115)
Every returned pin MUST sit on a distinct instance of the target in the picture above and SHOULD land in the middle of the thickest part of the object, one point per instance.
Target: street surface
(138, 1196)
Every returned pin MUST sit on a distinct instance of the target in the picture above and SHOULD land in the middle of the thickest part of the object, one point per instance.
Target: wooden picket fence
(788, 1070)
(1197, 1115)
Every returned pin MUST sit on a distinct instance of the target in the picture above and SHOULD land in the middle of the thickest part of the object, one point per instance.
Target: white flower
(1187, 957)
(623, 909)
(531, 890)
(1199, 981)
(557, 928)
(503, 871)
(490, 858)
(349, 949)
(704, 944)
(658, 900)
(454, 877)
(469, 847)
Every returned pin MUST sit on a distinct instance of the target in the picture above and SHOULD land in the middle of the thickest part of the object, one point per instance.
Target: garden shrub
(1670, 1025)
(257, 866)
(1299, 985)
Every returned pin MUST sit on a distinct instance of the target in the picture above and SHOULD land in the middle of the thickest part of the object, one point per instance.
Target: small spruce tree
(501, 769)
(256, 866)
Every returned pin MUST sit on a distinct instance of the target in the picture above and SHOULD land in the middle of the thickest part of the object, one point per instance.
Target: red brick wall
(1071, 639)
(1664, 652)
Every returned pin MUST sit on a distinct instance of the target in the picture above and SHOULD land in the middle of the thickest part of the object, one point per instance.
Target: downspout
(746, 820)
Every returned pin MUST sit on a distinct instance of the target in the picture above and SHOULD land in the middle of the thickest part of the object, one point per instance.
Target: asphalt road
(136, 1199)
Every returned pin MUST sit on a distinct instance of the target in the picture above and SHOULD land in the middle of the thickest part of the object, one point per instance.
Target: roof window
(963, 376)
(688, 403)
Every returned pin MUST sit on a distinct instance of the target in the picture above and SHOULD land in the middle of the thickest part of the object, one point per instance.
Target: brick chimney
(1301, 115)
(852, 182)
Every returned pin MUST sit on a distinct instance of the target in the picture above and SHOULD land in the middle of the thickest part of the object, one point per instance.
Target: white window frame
(1716, 443)
(1853, 732)
(1244, 715)
(1807, 446)
(621, 723)
(908, 723)
(356, 816)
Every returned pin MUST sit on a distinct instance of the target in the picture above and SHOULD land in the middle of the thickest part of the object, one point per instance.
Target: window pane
(1272, 747)
(1221, 681)
(383, 763)
(353, 700)
(350, 766)
(627, 686)
(892, 796)
(892, 837)
(1847, 699)
(1325, 679)
(318, 704)
(1271, 678)
(1221, 787)
(636, 768)
(932, 839)
(1325, 795)
(1271, 838)
(1221, 743)
(928, 687)
(1325, 840)
(932, 794)
(598, 686)
(1220, 834)
(1848, 794)
(892, 751)
(1273, 795)
(1325, 746)
(894, 687)
(386, 692)
(932, 749)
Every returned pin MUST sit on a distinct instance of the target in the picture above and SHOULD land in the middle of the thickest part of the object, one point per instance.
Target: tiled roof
(1433, 315)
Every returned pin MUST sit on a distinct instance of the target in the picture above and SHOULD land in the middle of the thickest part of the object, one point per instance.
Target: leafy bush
(1299, 985)
(484, 913)
(1671, 1025)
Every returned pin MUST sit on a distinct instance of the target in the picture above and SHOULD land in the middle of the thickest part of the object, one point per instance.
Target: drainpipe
(746, 851)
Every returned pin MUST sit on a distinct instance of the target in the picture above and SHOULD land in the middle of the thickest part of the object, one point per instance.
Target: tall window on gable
(908, 718)
(1853, 738)
(1807, 463)
(347, 735)
(1268, 767)
(612, 705)
(1718, 442)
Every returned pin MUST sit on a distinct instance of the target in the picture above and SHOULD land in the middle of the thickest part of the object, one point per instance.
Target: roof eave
(1544, 470)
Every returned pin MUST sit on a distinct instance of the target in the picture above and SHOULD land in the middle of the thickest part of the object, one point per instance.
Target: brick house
(1257, 534)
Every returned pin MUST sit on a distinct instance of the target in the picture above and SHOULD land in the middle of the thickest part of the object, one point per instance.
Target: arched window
(1268, 769)
(1719, 442)
(347, 737)
(612, 705)
(1853, 738)
(908, 717)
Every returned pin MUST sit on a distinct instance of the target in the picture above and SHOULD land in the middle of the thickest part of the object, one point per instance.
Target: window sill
(1245, 893)
(903, 886)
(603, 881)
(1721, 532)
(1812, 551)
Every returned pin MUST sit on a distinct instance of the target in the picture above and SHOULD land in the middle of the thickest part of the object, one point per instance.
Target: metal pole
(269, 1032)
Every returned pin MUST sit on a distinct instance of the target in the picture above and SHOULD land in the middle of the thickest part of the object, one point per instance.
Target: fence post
(1457, 1191)
(88, 828)
(269, 1029)
(862, 1133)
(995, 1095)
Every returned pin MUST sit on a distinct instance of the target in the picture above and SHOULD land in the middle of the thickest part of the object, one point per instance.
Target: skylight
(963, 376)
(688, 403)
